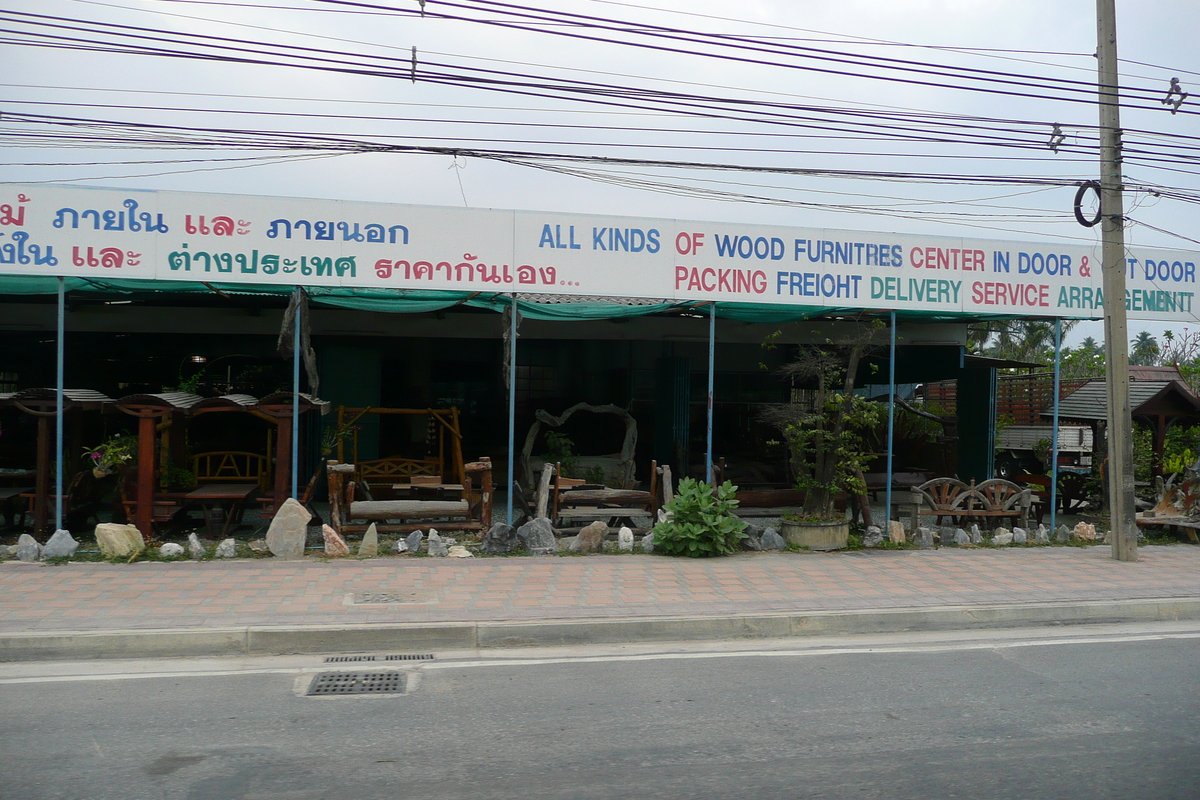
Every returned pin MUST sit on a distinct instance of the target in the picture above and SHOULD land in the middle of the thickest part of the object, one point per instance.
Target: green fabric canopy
(416, 301)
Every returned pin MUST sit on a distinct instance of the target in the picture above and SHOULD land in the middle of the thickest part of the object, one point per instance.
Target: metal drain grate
(394, 657)
(328, 683)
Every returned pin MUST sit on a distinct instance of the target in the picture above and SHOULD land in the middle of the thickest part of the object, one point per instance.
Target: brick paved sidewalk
(149, 595)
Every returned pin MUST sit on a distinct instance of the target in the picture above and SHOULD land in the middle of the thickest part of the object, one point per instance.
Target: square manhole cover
(337, 683)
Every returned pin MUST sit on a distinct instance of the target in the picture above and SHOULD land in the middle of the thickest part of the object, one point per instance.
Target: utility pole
(1116, 330)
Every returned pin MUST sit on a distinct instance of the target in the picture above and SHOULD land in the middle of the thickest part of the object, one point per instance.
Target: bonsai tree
(824, 427)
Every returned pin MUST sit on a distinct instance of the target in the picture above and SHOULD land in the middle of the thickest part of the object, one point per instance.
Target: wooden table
(230, 496)
(10, 497)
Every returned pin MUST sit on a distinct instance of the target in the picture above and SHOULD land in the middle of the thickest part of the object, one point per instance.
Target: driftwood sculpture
(618, 467)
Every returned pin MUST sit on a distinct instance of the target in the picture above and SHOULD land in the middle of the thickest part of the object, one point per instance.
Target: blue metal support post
(712, 349)
(296, 356)
(887, 511)
(58, 410)
(512, 403)
(1054, 434)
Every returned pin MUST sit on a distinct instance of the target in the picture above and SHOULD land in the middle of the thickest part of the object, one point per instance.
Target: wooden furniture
(231, 497)
(471, 511)
(570, 500)
(11, 504)
(80, 505)
(232, 466)
(443, 432)
(961, 502)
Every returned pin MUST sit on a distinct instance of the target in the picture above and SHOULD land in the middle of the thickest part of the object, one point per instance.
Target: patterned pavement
(150, 595)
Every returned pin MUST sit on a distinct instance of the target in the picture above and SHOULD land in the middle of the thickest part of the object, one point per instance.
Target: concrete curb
(432, 637)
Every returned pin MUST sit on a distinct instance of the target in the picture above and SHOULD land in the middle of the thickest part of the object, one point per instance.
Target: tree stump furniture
(348, 514)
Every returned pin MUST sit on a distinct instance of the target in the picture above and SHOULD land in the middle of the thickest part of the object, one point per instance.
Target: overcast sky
(1028, 48)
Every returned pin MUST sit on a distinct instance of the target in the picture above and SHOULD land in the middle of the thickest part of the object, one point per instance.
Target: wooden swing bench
(950, 497)
(470, 512)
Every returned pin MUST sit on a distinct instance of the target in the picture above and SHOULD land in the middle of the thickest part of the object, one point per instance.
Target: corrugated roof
(1090, 401)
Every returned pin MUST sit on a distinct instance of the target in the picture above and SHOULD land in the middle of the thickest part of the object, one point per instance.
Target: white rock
(1002, 536)
(895, 531)
(458, 551)
(227, 549)
(625, 540)
(119, 541)
(1019, 536)
(369, 546)
(195, 549)
(648, 542)
(289, 530)
(170, 550)
(61, 545)
(401, 546)
(28, 548)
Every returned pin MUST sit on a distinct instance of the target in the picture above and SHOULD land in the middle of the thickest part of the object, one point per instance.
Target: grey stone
(500, 540)
(625, 540)
(170, 550)
(288, 532)
(1063, 534)
(436, 546)
(873, 537)
(538, 536)
(1041, 535)
(961, 537)
(195, 548)
(1002, 536)
(335, 545)
(226, 549)
(648, 542)
(401, 547)
(61, 545)
(570, 544)
(976, 535)
(118, 541)
(924, 538)
(753, 540)
(771, 540)
(369, 546)
(28, 548)
(1020, 536)
(414, 541)
(591, 538)
(259, 546)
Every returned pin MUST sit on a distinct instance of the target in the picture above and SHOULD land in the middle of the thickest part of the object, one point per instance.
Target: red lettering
(915, 257)
(681, 274)
(760, 281)
(723, 280)
(704, 276)
(694, 279)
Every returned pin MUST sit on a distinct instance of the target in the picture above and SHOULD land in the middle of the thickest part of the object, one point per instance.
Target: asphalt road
(1101, 713)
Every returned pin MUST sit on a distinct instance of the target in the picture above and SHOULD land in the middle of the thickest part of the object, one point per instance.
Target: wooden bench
(961, 502)
(232, 466)
(349, 514)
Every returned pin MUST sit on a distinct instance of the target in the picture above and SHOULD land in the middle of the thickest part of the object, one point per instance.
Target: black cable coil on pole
(1079, 193)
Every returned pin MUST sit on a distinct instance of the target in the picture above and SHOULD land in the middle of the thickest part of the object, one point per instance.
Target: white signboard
(119, 233)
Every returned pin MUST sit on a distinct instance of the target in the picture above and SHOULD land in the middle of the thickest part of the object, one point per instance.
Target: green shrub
(702, 522)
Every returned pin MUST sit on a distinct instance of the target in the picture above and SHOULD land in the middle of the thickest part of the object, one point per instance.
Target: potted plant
(111, 455)
(823, 428)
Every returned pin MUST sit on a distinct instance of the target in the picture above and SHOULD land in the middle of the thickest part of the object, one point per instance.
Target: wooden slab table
(230, 496)
(10, 498)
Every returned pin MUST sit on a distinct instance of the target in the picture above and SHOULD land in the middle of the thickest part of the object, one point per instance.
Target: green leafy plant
(560, 452)
(112, 454)
(178, 477)
(824, 427)
(594, 474)
(701, 522)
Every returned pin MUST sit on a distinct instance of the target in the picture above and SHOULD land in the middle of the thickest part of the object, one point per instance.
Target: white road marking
(517, 661)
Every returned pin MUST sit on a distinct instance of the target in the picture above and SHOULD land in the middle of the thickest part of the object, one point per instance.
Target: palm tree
(1145, 350)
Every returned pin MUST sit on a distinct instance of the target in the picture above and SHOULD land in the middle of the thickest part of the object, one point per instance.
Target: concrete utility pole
(1116, 331)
